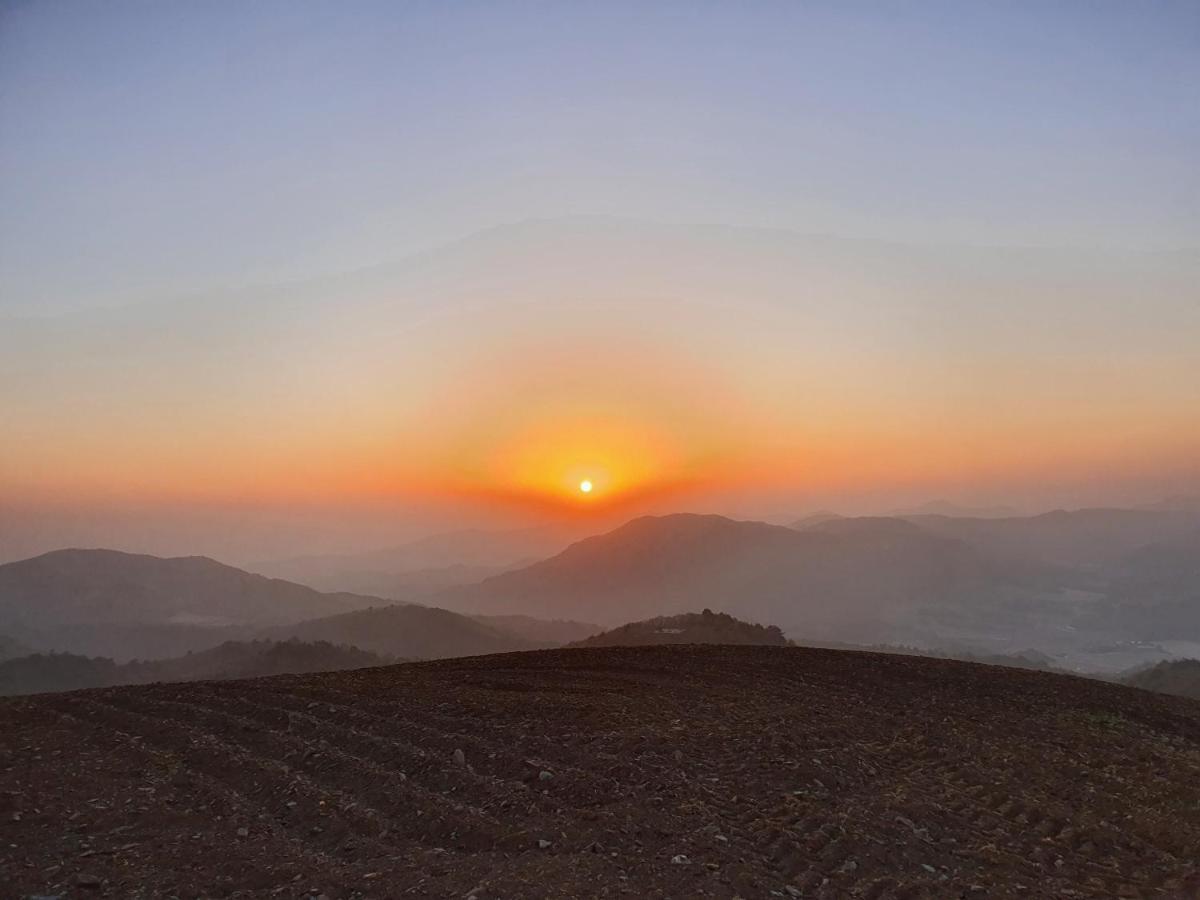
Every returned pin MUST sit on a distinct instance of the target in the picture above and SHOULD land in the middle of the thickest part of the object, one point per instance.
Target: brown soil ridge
(680, 771)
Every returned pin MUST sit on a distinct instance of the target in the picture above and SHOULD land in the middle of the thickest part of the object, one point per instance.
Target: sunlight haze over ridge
(349, 264)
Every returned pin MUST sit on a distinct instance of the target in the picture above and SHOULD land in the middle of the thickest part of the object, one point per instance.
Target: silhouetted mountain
(1090, 538)
(411, 631)
(1178, 676)
(829, 577)
(705, 627)
(81, 587)
(246, 659)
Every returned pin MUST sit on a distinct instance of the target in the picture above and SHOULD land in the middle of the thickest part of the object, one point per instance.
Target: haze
(293, 278)
(580, 449)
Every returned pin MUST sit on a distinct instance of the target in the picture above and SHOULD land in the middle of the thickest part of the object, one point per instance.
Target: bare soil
(655, 772)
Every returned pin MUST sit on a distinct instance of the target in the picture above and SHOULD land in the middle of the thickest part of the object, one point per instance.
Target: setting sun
(585, 486)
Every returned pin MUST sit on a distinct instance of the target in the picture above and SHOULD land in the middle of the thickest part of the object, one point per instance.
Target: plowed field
(652, 772)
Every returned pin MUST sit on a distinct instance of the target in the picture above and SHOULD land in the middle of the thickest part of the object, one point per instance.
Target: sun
(585, 486)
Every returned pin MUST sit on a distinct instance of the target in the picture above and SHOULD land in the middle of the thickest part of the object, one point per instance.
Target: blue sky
(157, 150)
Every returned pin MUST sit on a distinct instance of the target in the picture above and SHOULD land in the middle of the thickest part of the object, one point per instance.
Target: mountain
(704, 627)
(1178, 676)
(40, 673)
(680, 771)
(834, 577)
(1092, 539)
(82, 587)
(410, 631)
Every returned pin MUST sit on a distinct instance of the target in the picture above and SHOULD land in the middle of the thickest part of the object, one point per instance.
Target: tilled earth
(650, 772)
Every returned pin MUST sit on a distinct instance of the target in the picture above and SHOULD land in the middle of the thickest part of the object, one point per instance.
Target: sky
(411, 265)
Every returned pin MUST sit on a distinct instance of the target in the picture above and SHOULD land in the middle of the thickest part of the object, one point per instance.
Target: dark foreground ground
(652, 772)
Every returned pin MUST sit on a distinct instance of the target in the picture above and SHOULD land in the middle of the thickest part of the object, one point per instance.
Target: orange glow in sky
(679, 370)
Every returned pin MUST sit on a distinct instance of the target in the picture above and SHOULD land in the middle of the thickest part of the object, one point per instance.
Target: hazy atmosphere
(566, 450)
(281, 278)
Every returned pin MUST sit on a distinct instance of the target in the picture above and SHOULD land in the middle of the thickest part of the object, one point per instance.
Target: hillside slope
(40, 673)
(668, 772)
(82, 587)
(1177, 676)
(828, 579)
(409, 631)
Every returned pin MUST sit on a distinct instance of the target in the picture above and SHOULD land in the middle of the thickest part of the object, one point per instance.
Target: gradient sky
(262, 256)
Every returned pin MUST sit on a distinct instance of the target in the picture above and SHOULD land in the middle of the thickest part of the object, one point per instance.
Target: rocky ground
(652, 772)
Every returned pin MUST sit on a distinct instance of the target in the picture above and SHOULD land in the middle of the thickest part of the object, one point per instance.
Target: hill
(690, 628)
(40, 673)
(1178, 676)
(83, 587)
(102, 603)
(693, 771)
(409, 631)
(843, 577)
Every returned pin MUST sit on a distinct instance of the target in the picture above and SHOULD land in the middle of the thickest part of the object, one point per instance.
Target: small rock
(544, 775)
(928, 868)
(680, 860)
(87, 880)
(543, 844)
(460, 758)
(243, 832)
